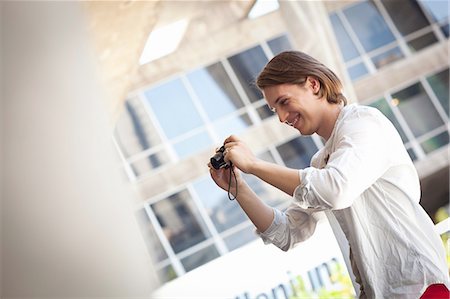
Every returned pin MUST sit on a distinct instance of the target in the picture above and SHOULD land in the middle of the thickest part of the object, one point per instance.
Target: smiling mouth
(293, 123)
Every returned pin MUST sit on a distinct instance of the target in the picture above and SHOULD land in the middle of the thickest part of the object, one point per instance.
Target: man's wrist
(256, 167)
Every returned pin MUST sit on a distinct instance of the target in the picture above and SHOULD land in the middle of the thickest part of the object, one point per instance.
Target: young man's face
(296, 105)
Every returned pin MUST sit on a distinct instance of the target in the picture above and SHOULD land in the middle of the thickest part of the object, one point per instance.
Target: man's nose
(282, 115)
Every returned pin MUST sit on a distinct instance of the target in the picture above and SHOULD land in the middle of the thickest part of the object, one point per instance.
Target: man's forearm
(257, 211)
(283, 178)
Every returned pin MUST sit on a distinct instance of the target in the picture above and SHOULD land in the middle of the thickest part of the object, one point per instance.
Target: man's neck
(331, 115)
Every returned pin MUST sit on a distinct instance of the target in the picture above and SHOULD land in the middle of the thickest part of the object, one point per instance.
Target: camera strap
(229, 183)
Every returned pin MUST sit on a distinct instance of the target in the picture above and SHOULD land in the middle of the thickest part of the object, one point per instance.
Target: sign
(258, 271)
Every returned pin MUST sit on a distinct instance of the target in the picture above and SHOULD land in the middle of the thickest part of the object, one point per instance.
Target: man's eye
(284, 102)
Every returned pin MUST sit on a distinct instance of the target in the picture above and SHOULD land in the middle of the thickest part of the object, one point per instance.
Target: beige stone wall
(211, 48)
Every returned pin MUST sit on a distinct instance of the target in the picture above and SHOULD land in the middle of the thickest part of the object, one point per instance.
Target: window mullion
(178, 267)
(165, 141)
(434, 99)
(359, 47)
(397, 35)
(404, 125)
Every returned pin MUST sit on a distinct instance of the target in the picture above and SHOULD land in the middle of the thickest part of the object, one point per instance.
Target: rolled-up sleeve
(289, 227)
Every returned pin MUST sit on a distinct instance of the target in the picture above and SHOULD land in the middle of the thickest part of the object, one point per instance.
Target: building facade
(392, 55)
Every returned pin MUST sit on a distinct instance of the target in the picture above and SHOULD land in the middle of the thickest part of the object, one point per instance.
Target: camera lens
(217, 161)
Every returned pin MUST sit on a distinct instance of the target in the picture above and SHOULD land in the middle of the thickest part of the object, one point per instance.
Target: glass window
(383, 106)
(446, 30)
(151, 239)
(134, 131)
(412, 154)
(435, 142)
(148, 163)
(247, 65)
(200, 257)
(268, 193)
(387, 57)
(369, 25)
(173, 108)
(438, 9)
(235, 125)
(422, 42)
(439, 83)
(215, 90)
(406, 15)
(348, 49)
(357, 71)
(279, 44)
(193, 144)
(266, 156)
(298, 152)
(180, 221)
(271, 195)
(167, 274)
(417, 109)
(223, 213)
(264, 112)
(241, 238)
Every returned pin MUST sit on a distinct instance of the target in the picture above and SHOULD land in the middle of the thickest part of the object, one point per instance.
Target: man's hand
(239, 154)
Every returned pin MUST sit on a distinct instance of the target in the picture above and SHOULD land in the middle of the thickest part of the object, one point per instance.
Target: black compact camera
(217, 161)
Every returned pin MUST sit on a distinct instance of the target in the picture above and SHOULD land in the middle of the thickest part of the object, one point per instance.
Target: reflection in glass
(241, 237)
(180, 221)
(298, 152)
(167, 274)
(435, 142)
(134, 131)
(439, 83)
(193, 144)
(173, 108)
(417, 109)
(200, 257)
(346, 45)
(357, 71)
(439, 10)
(406, 15)
(234, 125)
(223, 213)
(387, 57)
(247, 65)
(369, 25)
(151, 239)
(148, 163)
(279, 44)
(422, 42)
(383, 106)
(215, 91)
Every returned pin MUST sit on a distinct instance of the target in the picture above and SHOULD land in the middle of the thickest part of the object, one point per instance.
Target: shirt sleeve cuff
(271, 233)
(301, 192)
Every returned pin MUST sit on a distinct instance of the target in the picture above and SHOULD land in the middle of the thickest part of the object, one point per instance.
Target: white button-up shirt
(365, 177)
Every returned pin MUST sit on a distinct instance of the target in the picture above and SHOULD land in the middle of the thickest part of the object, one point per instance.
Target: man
(363, 177)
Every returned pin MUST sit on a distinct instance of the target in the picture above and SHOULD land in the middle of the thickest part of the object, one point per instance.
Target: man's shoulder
(358, 118)
(361, 113)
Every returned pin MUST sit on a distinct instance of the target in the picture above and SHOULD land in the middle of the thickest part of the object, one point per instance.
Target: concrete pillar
(67, 227)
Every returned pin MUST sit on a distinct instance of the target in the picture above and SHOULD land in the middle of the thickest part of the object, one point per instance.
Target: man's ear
(314, 83)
